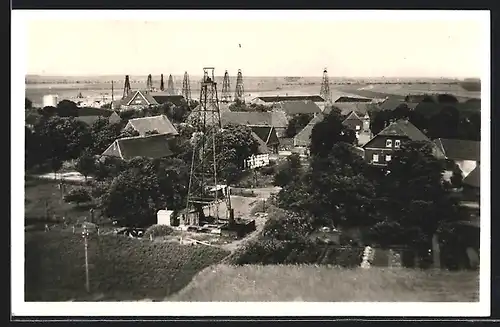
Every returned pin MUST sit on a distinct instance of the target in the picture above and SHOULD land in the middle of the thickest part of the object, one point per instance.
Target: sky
(269, 47)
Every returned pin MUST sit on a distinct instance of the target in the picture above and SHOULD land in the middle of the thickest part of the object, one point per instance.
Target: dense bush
(119, 266)
(78, 195)
(158, 231)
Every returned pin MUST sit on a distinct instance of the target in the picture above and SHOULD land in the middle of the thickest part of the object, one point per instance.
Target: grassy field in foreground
(120, 268)
(329, 284)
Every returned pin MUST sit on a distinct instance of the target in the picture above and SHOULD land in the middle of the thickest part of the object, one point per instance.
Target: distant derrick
(226, 95)
(126, 88)
(238, 94)
(149, 84)
(186, 87)
(162, 84)
(325, 87)
(170, 85)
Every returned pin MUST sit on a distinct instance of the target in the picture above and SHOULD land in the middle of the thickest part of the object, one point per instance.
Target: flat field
(120, 268)
(329, 284)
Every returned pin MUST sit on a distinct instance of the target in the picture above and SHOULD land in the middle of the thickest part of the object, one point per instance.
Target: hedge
(119, 266)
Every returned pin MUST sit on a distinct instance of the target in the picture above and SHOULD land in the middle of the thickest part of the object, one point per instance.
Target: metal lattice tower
(206, 119)
(238, 94)
(186, 87)
(162, 85)
(325, 87)
(226, 93)
(126, 88)
(149, 83)
(170, 85)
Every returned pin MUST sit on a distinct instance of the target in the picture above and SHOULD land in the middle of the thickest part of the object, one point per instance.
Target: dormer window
(388, 143)
(397, 143)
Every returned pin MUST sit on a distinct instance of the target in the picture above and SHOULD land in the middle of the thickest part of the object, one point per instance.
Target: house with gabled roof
(464, 153)
(379, 150)
(152, 146)
(164, 97)
(136, 101)
(292, 108)
(268, 135)
(161, 124)
(276, 119)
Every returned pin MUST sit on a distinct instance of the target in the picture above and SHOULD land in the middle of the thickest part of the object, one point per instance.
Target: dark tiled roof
(361, 108)
(163, 97)
(303, 138)
(474, 178)
(159, 123)
(459, 149)
(89, 111)
(152, 146)
(344, 99)
(314, 98)
(404, 128)
(90, 120)
(299, 107)
(266, 134)
(262, 149)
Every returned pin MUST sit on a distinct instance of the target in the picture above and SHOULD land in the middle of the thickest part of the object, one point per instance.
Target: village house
(90, 115)
(292, 108)
(465, 154)
(262, 158)
(273, 100)
(160, 124)
(360, 125)
(379, 150)
(268, 135)
(164, 97)
(276, 119)
(153, 147)
(138, 100)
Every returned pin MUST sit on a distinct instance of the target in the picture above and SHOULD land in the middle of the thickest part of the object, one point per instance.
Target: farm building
(137, 100)
(160, 124)
(361, 126)
(152, 146)
(271, 100)
(379, 150)
(260, 159)
(164, 97)
(344, 99)
(275, 119)
(361, 108)
(91, 115)
(466, 154)
(292, 108)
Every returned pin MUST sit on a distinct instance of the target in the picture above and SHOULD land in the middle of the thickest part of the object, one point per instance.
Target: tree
(28, 104)
(401, 111)
(103, 134)
(78, 195)
(447, 98)
(128, 132)
(238, 105)
(328, 132)
(380, 120)
(289, 171)
(414, 198)
(445, 123)
(67, 108)
(153, 132)
(85, 164)
(297, 123)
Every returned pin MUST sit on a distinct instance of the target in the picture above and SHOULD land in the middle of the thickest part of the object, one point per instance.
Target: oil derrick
(226, 95)
(126, 89)
(325, 87)
(238, 94)
(186, 87)
(203, 181)
(162, 85)
(149, 83)
(170, 85)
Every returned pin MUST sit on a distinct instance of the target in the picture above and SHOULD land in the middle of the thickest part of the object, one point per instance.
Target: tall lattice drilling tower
(170, 85)
(226, 93)
(162, 84)
(238, 94)
(325, 88)
(186, 87)
(126, 88)
(203, 191)
(149, 83)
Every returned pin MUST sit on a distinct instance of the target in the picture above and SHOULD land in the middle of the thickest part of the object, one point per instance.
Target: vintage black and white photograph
(251, 156)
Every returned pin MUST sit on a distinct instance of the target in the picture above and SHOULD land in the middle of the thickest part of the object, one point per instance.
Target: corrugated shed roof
(459, 149)
(275, 119)
(279, 98)
(299, 107)
(404, 128)
(159, 123)
(474, 178)
(152, 146)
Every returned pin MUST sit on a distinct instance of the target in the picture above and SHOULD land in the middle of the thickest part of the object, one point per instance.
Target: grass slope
(328, 284)
(121, 268)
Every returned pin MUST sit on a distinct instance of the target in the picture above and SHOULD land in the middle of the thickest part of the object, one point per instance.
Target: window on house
(357, 134)
(388, 158)
(397, 143)
(375, 158)
(388, 143)
(358, 127)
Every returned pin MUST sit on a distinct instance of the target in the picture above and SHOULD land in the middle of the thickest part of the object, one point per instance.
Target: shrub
(158, 231)
(78, 195)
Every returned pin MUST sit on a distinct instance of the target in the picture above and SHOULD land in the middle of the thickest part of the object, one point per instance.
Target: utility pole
(85, 235)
